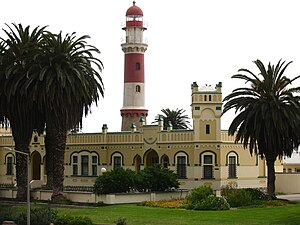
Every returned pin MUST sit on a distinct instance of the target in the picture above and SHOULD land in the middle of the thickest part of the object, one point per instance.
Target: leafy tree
(175, 117)
(115, 181)
(156, 178)
(268, 114)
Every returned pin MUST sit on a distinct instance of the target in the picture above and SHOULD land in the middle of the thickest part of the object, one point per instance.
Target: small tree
(175, 117)
(115, 181)
(156, 178)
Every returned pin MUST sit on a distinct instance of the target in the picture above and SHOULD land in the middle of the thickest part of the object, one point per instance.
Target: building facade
(202, 155)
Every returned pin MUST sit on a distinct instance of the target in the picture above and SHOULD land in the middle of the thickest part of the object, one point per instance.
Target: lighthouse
(133, 111)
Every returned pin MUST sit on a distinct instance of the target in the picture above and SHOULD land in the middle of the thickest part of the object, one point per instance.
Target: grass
(140, 215)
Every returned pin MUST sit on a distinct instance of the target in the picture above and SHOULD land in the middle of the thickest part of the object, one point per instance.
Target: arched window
(165, 161)
(84, 163)
(116, 160)
(232, 163)
(75, 165)
(205, 98)
(181, 163)
(137, 88)
(137, 66)
(9, 164)
(208, 161)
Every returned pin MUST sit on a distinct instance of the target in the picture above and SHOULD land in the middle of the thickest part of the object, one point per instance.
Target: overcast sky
(190, 40)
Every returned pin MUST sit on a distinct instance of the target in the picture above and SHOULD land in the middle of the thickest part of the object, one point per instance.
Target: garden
(201, 206)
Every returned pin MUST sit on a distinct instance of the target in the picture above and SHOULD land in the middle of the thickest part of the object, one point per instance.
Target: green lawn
(141, 215)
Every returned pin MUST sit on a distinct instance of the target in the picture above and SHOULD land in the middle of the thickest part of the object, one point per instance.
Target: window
(181, 166)
(205, 98)
(75, 165)
(207, 129)
(137, 88)
(232, 167)
(84, 165)
(137, 66)
(94, 165)
(117, 162)
(208, 166)
(9, 165)
(165, 161)
(209, 98)
(197, 108)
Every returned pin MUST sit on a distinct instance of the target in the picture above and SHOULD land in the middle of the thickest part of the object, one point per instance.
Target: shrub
(256, 194)
(5, 213)
(198, 194)
(153, 178)
(121, 221)
(38, 216)
(212, 202)
(73, 220)
(115, 181)
(156, 178)
(237, 197)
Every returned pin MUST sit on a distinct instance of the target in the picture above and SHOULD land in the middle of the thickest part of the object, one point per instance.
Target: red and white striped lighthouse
(134, 48)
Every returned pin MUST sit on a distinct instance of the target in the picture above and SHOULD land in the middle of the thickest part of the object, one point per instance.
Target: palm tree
(67, 83)
(268, 119)
(16, 58)
(175, 117)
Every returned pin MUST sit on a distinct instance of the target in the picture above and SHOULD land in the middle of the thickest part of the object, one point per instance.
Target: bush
(237, 197)
(198, 194)
(38, 216)
(115, 181)
(73, 220)
(257, 194)
(5, 213)
(121, 221)
(153, 178)
(212, 203)
(156, 178)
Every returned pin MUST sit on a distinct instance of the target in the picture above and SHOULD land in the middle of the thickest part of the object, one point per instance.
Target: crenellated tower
(206, 112)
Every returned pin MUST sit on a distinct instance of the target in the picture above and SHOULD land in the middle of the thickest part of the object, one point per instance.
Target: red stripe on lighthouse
(134, 68)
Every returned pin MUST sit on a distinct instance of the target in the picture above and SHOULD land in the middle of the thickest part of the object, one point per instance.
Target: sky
(190, 40)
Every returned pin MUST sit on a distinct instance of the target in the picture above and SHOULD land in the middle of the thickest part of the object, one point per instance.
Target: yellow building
(203, 155)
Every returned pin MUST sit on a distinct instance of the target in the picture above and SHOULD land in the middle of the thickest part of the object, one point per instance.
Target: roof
(134, 10)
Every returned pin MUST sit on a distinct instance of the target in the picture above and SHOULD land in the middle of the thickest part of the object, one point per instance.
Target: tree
(67, 81)
(15, 59)
(156, 178)
(175, 117)
(268, 114)
(118, 180)
(46, 78)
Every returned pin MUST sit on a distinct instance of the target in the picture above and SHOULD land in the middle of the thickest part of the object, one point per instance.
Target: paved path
(291, 197)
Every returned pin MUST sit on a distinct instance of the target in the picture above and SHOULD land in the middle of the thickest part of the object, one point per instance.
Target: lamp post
(28, 183)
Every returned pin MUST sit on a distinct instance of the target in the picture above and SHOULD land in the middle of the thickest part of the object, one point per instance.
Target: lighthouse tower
(133, 111)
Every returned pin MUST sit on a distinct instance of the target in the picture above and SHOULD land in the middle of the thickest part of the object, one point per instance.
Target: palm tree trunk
(58, 165)
(56, 144)
(21, 170)
(22, 140)
(49, 158)
(271, 177)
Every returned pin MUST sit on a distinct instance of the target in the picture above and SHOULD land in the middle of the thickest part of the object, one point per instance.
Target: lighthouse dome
(134, 11)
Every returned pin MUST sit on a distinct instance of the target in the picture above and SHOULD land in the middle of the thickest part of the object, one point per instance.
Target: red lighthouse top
(134, 11)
